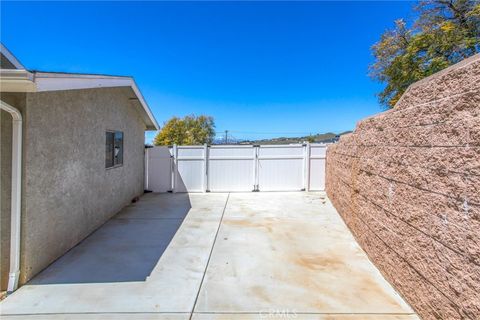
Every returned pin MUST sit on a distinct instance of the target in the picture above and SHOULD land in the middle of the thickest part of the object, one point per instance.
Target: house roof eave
(54, 81)
(17, 80)
(10, 57)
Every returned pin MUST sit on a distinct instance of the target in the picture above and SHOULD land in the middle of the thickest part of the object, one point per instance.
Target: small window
(114, 149)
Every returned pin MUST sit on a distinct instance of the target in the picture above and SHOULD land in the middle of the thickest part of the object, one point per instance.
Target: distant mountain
(317, 138)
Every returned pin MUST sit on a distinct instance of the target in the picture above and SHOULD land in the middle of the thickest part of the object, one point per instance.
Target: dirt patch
(263, 223)
(319, 262)
(261, 293)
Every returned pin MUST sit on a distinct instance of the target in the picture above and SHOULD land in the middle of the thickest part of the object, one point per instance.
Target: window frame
(114, 132)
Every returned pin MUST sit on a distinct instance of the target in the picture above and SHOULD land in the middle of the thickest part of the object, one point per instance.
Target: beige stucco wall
(407, 183)
(16, 100)
(68, 192)
(5, 187)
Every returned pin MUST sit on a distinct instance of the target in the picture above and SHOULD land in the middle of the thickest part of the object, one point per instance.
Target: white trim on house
(21, 80)
(16, 205)
(52, 81)
(10, 57)
(16, 80)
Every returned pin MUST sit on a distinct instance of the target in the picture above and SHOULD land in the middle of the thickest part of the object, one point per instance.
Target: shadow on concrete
(126, 248)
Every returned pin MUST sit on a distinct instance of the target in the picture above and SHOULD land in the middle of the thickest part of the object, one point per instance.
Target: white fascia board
(145, 106)
(59, 81)
(10, 57)
(16, 80)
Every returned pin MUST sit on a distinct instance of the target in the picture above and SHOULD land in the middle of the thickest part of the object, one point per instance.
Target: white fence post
(145, 182)
(175, 168)
(205, 168)
(256, 164)
(307, 166)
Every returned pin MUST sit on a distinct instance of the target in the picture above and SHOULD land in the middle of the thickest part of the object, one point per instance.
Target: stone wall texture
(407, 183)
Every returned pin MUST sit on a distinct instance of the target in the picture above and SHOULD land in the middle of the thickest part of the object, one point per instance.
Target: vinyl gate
(226, 168)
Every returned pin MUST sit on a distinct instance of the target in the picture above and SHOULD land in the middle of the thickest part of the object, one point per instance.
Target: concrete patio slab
(222, 256)
(170, 287)
(296, 257)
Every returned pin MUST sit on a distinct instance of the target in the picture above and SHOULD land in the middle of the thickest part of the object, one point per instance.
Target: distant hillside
(317, 138)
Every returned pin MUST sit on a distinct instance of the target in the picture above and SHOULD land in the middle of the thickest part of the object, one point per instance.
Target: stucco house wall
(68, 192)
(18, 100)
(5, 196)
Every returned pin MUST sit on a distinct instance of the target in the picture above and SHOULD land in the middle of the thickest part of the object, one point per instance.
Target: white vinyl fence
(226, 168)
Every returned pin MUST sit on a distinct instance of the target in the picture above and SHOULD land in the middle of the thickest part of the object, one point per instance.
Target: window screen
(113, 149)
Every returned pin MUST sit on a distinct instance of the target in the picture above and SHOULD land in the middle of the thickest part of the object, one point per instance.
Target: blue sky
(261, 69)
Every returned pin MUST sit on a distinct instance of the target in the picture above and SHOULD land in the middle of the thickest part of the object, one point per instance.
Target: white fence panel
(281, 168)
(317, 167)
(158, 168)
(235, 168)
(231, 168)
(190, 169)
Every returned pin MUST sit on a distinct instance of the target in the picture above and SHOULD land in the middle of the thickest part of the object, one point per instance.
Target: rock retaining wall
(407, 183)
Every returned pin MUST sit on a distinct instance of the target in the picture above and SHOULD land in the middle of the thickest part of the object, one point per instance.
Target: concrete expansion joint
(210, 256)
